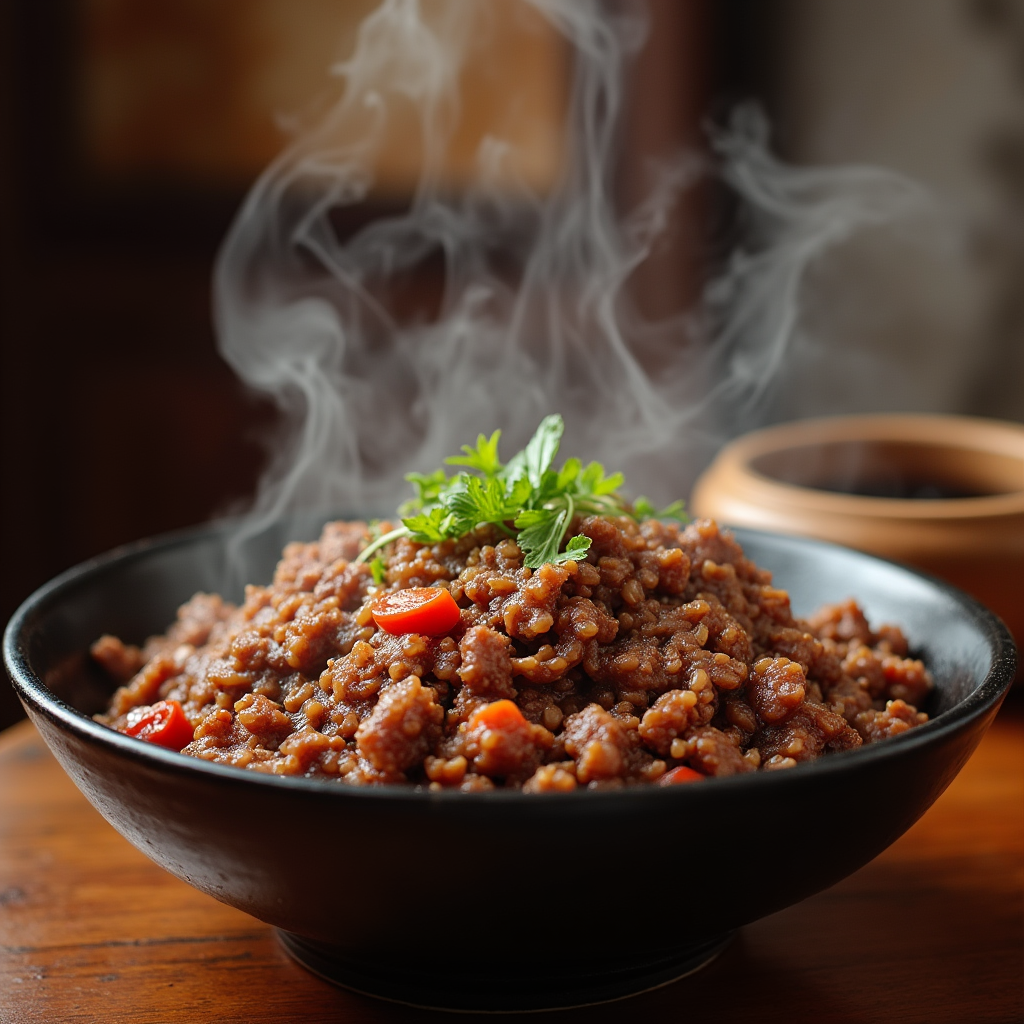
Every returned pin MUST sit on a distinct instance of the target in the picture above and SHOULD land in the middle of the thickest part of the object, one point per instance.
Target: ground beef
(402, 728)
(598, 743)
(499, 742)
(665, 648)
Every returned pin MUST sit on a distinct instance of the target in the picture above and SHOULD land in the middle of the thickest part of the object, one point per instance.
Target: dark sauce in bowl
(901, 489)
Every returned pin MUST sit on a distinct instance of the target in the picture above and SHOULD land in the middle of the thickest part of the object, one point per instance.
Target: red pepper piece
(163, 723)
(679, 775)
(428, 610)
(499, 715)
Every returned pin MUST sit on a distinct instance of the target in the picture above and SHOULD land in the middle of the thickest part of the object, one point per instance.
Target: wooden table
(931, 931)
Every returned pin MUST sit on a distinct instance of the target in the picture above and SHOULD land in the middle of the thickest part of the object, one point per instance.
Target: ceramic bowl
(942, 493)
(502, 900)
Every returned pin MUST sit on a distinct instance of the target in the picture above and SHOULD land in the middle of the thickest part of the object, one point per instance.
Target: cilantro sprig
(527, 498)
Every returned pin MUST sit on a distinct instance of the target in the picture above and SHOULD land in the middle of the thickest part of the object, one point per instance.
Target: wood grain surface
(931, 931)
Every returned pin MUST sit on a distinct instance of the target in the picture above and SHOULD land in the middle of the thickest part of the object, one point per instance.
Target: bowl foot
(497, 990)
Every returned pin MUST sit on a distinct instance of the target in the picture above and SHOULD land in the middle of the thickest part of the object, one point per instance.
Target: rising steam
(535, 315)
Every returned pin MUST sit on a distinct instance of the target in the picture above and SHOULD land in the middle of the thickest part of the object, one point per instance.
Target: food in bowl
(478, 648)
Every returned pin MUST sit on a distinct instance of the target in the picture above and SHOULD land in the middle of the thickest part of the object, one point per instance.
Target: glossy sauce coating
(666, 649)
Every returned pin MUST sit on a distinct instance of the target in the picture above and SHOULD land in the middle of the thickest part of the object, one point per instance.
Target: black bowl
(503, 900)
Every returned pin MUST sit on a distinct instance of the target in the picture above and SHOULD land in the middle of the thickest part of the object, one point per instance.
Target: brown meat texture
(808, 733)
(598, 743)
(402, 728)
(486, 666)
(714, 751)
(896, 717)
(776, 689)
(664, 646)
(672, 715)
(119, 660)
(508, 749)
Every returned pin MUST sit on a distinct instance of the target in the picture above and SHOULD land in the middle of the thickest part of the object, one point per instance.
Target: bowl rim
(38, 698)
(961, 432)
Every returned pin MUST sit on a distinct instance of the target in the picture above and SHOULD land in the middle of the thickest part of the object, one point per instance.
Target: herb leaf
(430, 526)
(473, 500)
(484, 457)
(527, 494)
(542, 449)
(568, 475)
(540, 535)
(428, 488)
(593, 481)
(575, 551)
(643, 509)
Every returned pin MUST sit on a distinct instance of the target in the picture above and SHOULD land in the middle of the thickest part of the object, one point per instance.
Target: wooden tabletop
(931, 931)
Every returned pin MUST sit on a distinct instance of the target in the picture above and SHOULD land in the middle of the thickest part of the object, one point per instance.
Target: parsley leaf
(643, 509)
(429, 527)
(575, 551)
(428, 489)
(540, 536)
(473, 500)
(593, 481)
(542, 449)
(527, 497)
(484, 457)
(568, 474)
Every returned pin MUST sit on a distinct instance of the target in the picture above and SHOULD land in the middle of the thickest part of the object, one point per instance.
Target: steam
(535, 315)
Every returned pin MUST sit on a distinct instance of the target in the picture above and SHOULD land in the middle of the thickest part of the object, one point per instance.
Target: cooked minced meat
(665, 647)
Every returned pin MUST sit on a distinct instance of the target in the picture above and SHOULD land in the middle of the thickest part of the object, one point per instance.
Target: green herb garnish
(378, 568)
(643, 509)
(526, 497)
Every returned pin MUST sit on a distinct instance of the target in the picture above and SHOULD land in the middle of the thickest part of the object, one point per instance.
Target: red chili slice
(428, 610)
(163, 723)
(682, 774)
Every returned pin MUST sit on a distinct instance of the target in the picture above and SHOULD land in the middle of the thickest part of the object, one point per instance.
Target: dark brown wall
(119, 418)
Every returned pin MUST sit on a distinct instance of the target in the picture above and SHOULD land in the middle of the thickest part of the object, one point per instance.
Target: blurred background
(131, 130)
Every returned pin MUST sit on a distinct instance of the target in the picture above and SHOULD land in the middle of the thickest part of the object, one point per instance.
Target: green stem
(570, 508)
(381, 541)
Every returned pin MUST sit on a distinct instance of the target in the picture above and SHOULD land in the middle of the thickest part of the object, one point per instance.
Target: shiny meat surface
(667, 647)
